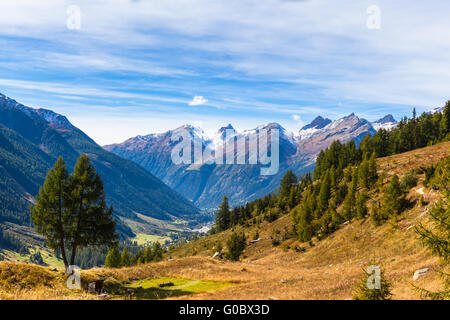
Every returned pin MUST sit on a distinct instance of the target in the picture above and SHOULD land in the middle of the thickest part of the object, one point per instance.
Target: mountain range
(142, 182)
(32, 139)
(206, 184)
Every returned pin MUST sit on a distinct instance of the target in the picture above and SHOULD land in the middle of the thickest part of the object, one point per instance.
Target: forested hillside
(32, 139)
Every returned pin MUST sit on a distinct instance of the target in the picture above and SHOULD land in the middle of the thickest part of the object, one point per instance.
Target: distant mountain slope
(387, 122)
(30, 142)
(206, 184)
(317, 124)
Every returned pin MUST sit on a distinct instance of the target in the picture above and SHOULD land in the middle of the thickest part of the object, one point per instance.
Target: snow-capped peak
(387, 122)
(49, 116)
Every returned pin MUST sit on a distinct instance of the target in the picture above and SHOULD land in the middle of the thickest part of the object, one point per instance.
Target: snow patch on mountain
(387, 123)
(43, 114)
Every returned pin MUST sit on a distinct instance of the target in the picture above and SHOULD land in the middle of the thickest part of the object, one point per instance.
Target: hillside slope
(329, 269)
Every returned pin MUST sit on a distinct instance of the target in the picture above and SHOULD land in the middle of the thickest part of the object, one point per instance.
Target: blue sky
(135, 67)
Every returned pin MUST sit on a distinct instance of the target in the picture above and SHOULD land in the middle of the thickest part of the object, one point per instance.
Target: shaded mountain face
(387, 122)
(317, 124)
(345, 129)
(32, 139)
(206, 184)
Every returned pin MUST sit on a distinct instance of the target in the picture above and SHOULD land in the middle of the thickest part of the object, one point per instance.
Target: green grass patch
(142, 238)
(182, 287)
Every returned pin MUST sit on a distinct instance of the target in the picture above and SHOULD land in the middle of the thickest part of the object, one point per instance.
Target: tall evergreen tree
(325, 192)
(393, 200)
(289, 179)
(361, 207)
(223, 218)
(157, 252)
(437, 238)
(50, 214)
(93, 222)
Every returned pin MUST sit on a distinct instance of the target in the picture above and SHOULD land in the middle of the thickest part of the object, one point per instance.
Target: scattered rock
(346, 223)
(53, 269)
(255, 241)
(104, 296)
(243, 270)
(166, 284)
(419, 273)
(130, 291)
(273, 298)
(218, 255)
(95, 287)
(284, 281)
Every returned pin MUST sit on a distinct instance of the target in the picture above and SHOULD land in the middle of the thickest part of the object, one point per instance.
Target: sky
(121, 68)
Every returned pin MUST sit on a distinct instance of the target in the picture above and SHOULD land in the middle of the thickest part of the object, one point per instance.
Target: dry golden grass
(329, 269)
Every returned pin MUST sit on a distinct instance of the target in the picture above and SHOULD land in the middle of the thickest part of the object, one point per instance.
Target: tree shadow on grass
(158, 293)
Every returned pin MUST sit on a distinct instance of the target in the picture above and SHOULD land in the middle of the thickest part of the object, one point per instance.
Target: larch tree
(223, 217)
(93, 221)
(71, 211)
(437, 236)
(50, 214)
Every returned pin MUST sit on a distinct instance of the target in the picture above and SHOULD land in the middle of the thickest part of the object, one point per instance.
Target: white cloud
(198, 100)
(297, 119)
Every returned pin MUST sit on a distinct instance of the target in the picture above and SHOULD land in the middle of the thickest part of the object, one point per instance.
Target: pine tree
(361, 207)
(373, 174)
(325, 192)
(437, 238)
(371, 288)
(363, 174)
(113, 258)
(304, 219)
(393, 200)
(223, 217)
(125, 259)
(348, 208)
(157, 252)
(445, 122)
(50, 215)
(375, 215)
(289, 179)
(93, 222)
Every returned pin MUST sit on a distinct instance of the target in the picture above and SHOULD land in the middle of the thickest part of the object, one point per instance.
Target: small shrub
(367, 286)
(299, 249)
(236, 245)
(408, 181)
